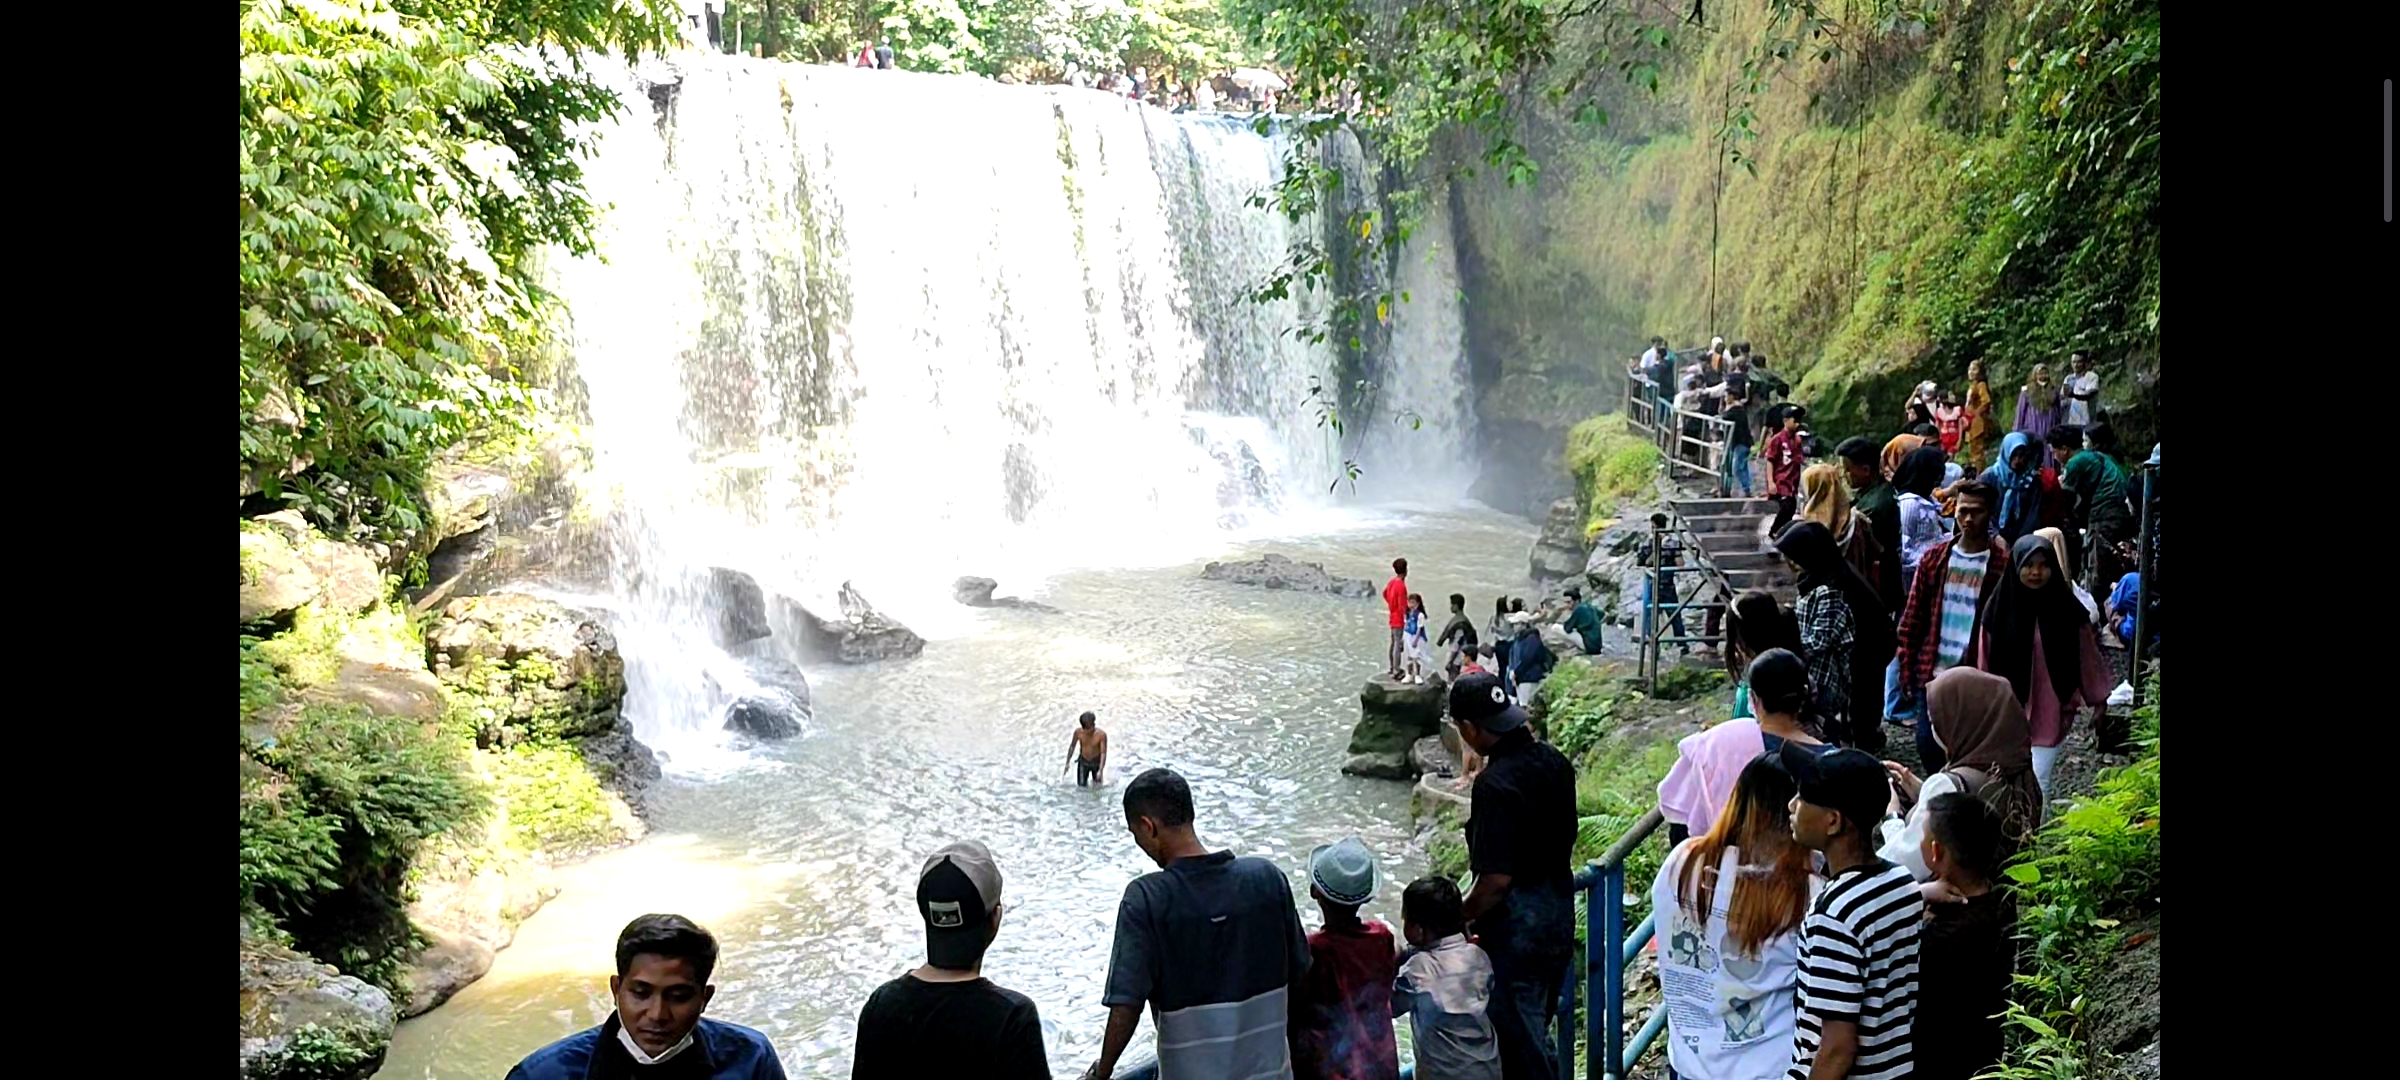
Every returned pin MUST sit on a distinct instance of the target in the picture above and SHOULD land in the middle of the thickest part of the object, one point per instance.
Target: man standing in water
(660, 989)
(1520, 843)
(1087, 751)
(1395, 600)
(1211, 942)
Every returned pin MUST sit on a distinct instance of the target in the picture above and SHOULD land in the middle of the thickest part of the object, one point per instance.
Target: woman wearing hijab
(2058, 544)
(1847, 638)
(2036, 636)
(1897, 449)
(1980, 424)
(2041, 405)
(2019, 481)
(1825, 499)
(1978, 723)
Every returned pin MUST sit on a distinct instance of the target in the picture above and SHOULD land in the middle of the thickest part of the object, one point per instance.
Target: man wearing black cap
(1858, 946)
(945, 1018)
(1520, 840)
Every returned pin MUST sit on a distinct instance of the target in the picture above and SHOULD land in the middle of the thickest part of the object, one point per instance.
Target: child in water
(1412, 640)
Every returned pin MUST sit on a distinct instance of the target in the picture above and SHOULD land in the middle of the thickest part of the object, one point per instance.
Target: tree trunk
(771, 28)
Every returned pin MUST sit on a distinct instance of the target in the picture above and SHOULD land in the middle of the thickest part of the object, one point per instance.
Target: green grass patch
(312, 651)
(1610, 465)
(554, 805)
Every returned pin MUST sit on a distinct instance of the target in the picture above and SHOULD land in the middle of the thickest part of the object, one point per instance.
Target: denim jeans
(1896, 705)
(1737, 470)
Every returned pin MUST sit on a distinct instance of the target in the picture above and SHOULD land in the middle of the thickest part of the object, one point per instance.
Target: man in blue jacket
(661, 988)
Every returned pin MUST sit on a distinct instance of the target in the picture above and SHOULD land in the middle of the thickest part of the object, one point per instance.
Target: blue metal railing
(1606, 950)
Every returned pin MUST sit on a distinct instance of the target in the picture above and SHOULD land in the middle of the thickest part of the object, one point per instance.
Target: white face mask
(641, 1058)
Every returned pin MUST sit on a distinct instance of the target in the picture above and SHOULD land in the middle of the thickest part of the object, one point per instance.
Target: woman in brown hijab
(1982, 729)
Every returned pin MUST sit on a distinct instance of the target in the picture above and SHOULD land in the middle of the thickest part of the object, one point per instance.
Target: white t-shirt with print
(1729, 1017)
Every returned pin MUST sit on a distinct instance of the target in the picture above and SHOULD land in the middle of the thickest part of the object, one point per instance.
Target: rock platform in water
(1280, 572)
(1393, 716)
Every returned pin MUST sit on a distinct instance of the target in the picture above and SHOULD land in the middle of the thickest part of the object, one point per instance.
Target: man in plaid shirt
(1944, 613)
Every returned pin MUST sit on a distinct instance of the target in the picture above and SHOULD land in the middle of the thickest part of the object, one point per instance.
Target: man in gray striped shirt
(1211, 942)
(1858, 946)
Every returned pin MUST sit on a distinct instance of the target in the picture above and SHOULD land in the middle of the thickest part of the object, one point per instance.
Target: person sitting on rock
(1087, 751)
(1583, 622)
(660, 989)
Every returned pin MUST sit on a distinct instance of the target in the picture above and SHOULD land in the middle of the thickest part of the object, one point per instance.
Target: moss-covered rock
(302, 1020)
(285, 564)
(522, 667)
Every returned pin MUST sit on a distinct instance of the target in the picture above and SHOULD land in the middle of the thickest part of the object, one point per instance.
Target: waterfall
(891, 327)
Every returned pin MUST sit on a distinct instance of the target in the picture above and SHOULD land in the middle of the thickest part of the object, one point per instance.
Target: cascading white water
(894, 328)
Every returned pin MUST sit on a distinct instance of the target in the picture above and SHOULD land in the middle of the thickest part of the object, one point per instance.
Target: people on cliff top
(1087, 751)
(1520, 844)
(1341, 1014)
(660, 990)
(1218, 987)
(944, 1018)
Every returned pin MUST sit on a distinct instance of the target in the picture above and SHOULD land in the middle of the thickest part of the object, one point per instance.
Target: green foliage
(555, 806)
(1026, 39)
(1682, 682)
(397, 172)
(1579, 706)
(1610, 465)
(1615, 785)
(261, 687)
(333, 809)
(316, 1053)
(312, 651)
(2089, 872)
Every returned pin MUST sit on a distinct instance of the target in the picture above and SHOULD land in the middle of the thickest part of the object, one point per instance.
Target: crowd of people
(1210, 945)
(1511, 647)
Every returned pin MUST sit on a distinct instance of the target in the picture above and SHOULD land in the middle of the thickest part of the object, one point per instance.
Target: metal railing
(1607, 948)
(1692, 441)
(2146, 596)
(1669, 528)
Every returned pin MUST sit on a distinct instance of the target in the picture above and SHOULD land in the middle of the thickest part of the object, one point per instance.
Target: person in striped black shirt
(1858, 946)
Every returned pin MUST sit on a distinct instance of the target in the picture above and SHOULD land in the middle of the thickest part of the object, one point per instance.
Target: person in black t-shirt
(945, 1018)
(1964, 959)
(1520, 844)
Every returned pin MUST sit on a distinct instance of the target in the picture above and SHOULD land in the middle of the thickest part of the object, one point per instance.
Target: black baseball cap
(1480, 700)
(956, 893)
(1849, 782)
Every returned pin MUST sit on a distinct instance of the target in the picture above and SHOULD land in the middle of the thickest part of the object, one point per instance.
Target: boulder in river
(1392, 717)
(767, 713)
(532, 666)
(301, 1018)
(471, 896)
(1274, 571)
(977, 592)
(858, 635)
(738, 607)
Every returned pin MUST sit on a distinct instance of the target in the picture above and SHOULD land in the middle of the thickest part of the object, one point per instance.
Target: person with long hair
(1825, 499)
(1729, 905)
(1982, 729)
(1755, 623)
(2036, 636)
(1980, 425)
(1706, 762)
(1848, 639)
(2040, 404)
(2017, 477)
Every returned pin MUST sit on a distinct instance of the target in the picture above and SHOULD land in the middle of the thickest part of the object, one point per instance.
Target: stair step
(1723, 543)
(1728, 523)
(1731, 561)
(1715, 506)
(1740, 580)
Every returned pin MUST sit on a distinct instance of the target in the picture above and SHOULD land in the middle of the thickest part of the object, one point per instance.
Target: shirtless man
(1087, 751)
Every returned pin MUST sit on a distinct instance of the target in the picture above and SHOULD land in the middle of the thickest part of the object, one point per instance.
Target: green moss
(312, 651)
(554, 804)
(1615, 784)
(261, 687)
(1610, 465)
(1683, 682)
(1446, 850)
(1579, 706)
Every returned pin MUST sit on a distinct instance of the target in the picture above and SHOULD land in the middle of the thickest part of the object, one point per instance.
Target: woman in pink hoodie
(1708, 764)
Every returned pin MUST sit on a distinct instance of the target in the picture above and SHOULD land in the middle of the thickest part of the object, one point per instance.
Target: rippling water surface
(800, 857)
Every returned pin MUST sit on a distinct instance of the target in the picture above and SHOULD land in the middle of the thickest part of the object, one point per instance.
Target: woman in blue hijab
(2018, 478)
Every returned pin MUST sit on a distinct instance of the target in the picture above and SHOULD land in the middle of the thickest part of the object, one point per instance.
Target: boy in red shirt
(1784, 460)
(1341, 1017)
(1395, 597)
